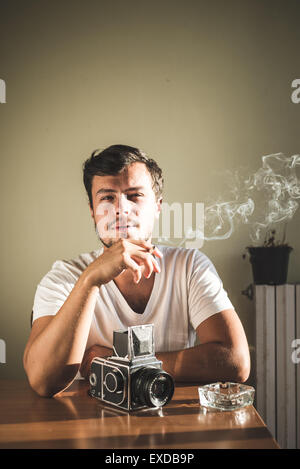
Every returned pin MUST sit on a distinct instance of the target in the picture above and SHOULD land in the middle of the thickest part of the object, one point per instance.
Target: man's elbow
(42, 390)
(36, 384)
(47, 387)
(48, 390)
(242, 366)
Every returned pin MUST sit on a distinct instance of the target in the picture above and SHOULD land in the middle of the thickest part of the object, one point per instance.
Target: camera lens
(152, 387)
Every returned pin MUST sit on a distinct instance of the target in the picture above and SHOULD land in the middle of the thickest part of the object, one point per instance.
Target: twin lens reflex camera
(132, 378)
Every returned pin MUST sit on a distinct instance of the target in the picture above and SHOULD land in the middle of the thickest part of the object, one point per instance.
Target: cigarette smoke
(263, 200)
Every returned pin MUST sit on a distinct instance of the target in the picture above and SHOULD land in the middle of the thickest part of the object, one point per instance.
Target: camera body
(133, 378)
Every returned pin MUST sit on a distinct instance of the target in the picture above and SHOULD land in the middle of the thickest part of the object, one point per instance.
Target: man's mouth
(123, 227)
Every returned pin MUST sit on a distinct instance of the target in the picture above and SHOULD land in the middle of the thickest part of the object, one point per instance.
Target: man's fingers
(155, 251)
(134, 267)
(149, 262)
(147, 245)
(140, 242)
(137, 253)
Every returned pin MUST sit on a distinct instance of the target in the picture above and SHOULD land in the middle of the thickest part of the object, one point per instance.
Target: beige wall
(202, 86)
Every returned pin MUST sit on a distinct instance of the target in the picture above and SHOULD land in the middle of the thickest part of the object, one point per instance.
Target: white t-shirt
(187, 291)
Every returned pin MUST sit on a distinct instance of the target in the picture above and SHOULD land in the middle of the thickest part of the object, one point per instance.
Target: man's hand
(89, 355)
(124, 254)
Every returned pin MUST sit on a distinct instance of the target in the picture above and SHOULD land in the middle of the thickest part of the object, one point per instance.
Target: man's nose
(122, 205)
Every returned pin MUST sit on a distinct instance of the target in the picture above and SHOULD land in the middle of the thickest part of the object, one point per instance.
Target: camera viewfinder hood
(134, 342)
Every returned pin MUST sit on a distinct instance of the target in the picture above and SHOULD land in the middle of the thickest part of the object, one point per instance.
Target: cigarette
(152, 249)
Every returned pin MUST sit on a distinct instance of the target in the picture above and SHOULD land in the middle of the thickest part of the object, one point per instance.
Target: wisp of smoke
(261, 200)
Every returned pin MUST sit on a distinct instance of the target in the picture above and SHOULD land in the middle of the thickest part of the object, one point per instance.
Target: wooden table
(75, 420)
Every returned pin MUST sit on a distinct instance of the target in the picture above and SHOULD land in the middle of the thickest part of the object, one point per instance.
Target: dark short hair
(113, 160)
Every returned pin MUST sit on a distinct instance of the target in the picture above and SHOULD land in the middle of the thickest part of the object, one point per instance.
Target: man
(129, 281)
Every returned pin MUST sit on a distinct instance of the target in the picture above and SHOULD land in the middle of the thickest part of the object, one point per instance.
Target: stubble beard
(111, 241)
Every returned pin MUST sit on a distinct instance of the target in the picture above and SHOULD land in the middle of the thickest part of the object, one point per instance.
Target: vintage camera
(132, 378)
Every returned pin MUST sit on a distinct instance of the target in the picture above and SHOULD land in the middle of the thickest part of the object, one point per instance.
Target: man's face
(124, 206)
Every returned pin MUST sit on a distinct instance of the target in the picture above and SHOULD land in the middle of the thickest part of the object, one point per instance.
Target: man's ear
(91, 211)
(158, 207)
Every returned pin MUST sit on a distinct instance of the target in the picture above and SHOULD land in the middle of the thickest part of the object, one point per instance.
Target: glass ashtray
(226, 396)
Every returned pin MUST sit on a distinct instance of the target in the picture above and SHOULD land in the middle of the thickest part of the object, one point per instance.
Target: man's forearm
(52, 360)
(93, 352)
(205, 363)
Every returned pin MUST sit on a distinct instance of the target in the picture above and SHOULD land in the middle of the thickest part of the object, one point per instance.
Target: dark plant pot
(269, 264)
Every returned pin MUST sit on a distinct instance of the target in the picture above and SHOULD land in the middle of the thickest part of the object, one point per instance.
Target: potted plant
(270, 260)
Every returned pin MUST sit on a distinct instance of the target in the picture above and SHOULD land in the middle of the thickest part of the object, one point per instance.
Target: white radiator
(277, 352)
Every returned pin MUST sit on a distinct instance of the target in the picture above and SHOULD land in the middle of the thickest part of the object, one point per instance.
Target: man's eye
(110, 197)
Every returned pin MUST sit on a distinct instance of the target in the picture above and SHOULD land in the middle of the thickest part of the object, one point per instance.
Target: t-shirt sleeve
(53, 290)
(206, 293)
